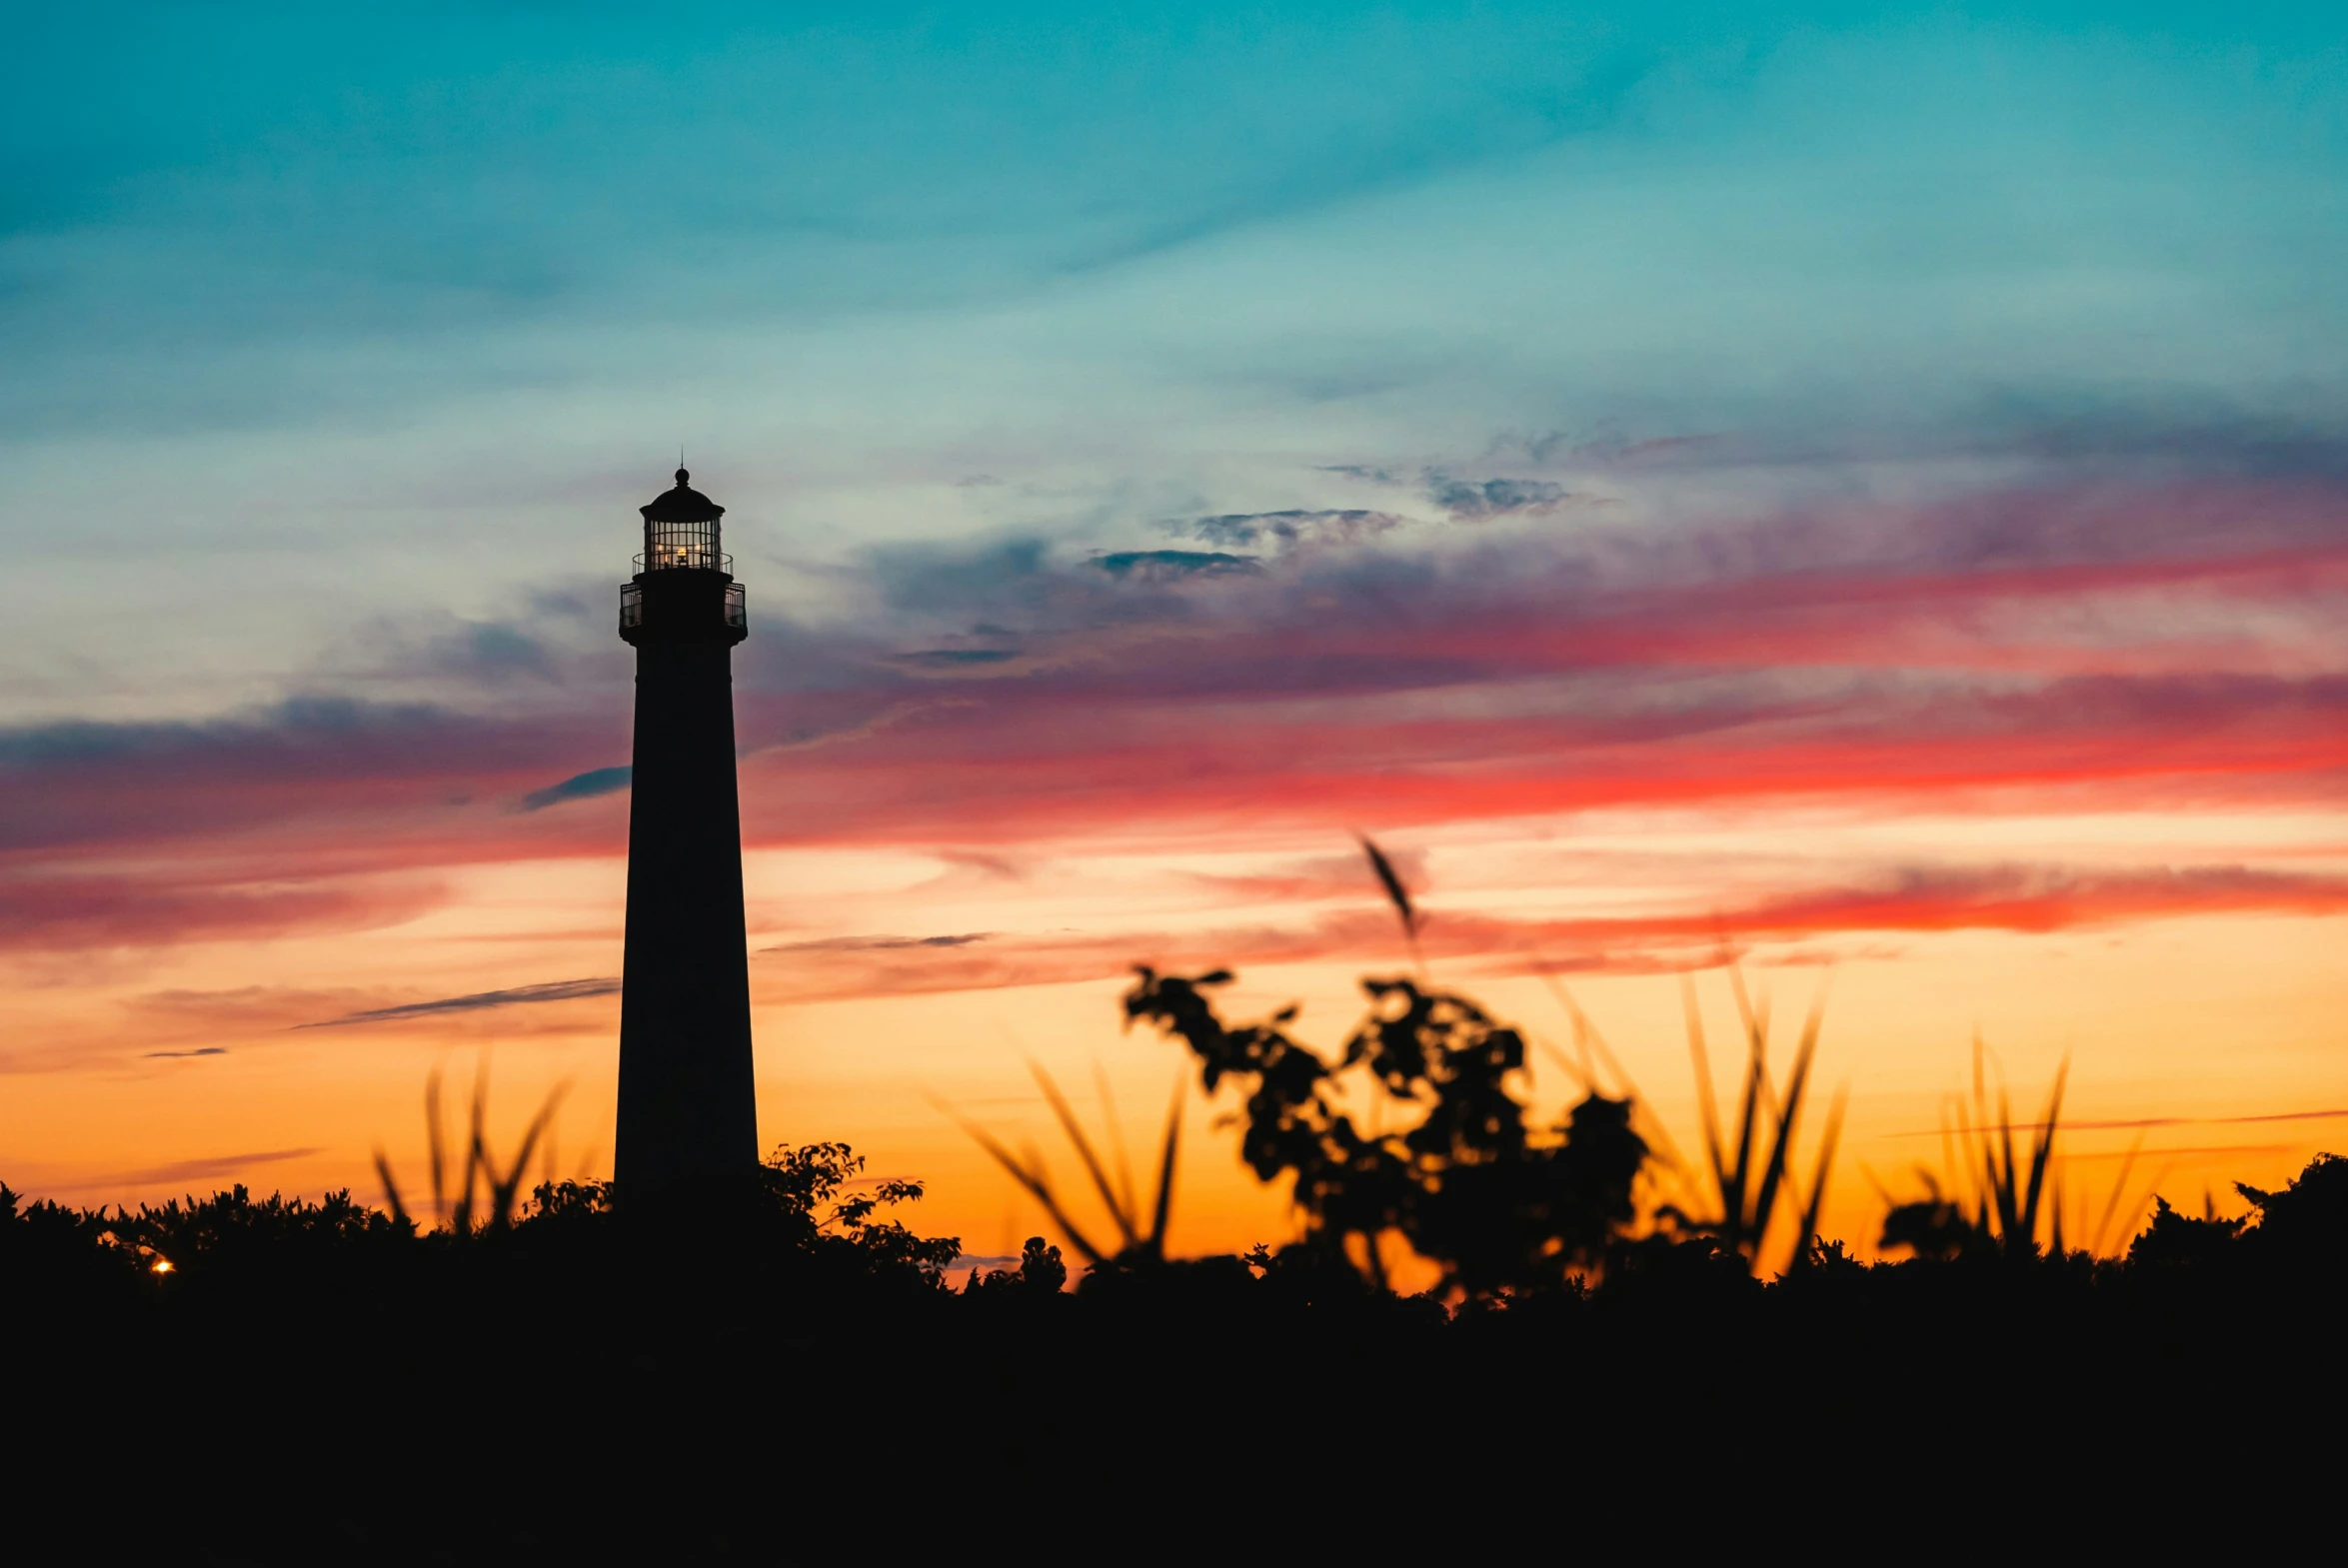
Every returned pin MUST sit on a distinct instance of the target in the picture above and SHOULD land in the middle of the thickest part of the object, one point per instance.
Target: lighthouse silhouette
(688, 1104)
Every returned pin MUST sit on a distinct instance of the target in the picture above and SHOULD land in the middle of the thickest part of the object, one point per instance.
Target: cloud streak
(202, 1170)
(477, 1001)
(579, 786)
(1477, 501)
(2035, 900)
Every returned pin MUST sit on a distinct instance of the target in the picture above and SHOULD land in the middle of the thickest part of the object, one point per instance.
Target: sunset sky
(1863, 498)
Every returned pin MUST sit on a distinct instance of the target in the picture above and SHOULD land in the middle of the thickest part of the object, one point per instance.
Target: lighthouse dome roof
(682, 504)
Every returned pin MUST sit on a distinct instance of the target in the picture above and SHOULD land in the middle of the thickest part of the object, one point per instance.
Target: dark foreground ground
(720, 1380)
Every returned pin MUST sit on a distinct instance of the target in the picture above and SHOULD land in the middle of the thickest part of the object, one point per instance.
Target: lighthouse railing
(631, 607)
(696, 558)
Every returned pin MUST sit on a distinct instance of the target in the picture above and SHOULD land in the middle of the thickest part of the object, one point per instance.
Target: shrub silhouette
(1041, 1273)
(1498, 1204)
(2305, 1225)
(2174, 1240)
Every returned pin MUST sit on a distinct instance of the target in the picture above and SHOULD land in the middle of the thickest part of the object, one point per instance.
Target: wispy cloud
(1784, 925)
(1474, 501)
(519, 995)
(1241, 530)
(2130, 1123)
(203, 1169)
(879, 943)
(579, 786)
(1462, 500)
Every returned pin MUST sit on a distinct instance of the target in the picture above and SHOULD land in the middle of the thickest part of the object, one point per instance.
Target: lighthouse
(688, 1105)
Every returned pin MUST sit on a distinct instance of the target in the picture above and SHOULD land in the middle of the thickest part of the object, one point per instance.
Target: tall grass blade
(1588, 1035)
(1035, 1181)
(391, 1188)
(1117, 1213)
(1163, 1211)
(1706, 1106)
(476, 1148)
(1117, 1138)
(1948, 1159)
(2111, 1205)
(505, 1189)
(2009, 1195)
(1566, 1064)
(432, 1131)
(1393, 886)
(1748, 1109)
(1782, 1145)
(2041, 1151)
(1755, 1021)
(1826, 1142)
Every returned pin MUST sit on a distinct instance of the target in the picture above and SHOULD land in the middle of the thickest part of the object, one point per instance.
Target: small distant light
(160, 1265)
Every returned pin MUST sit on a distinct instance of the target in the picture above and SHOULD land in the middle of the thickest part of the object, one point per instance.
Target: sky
(1858, 495)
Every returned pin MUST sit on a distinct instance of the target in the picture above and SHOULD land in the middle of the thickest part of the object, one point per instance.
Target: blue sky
(380, 322)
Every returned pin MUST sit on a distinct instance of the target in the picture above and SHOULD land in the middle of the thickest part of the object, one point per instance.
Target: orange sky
(2198, 1025)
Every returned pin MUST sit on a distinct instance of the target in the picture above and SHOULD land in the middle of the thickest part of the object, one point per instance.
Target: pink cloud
(2129, 647)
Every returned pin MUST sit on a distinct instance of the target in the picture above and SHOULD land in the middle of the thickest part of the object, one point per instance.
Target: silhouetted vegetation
(704, 1373)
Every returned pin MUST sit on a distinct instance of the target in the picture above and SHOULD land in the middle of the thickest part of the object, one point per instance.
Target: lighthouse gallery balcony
(735, 611)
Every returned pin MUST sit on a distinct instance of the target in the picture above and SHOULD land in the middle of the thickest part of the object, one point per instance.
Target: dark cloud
(1238, 529)
(956, 657)
(552, 990)
(1468, 500)
(1474, 501)
(306, 758)
(296, 723)
(579, 786)
(1174, 565)
(201, 1050)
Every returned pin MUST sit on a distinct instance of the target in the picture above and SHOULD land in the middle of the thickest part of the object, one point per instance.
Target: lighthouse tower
(687, 1107)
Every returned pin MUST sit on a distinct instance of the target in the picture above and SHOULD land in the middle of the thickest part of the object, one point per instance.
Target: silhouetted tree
(2305, 1225)
(2174, 1240)
(1041, 1273)
(1499, 1205)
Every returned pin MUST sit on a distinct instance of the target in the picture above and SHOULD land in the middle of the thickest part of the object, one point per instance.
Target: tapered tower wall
(688, 1103)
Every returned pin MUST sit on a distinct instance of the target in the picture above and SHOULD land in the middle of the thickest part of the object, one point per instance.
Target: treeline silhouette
(729, 1372)
(1621, 1344)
